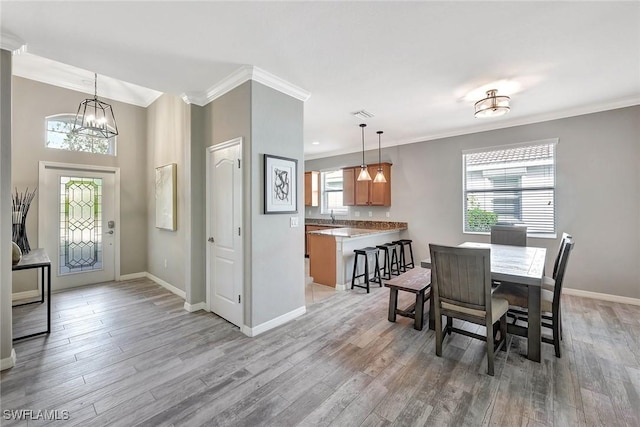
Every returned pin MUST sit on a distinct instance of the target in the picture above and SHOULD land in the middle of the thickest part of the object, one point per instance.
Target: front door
(224, 228)
(77, 224)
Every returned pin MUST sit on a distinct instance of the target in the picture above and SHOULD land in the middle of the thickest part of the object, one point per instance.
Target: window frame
(550, 141)
(113, 141)
(324, 210)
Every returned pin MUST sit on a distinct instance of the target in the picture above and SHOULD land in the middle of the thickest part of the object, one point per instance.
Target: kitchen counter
(353, 232)
(331, 251)
(368, 225)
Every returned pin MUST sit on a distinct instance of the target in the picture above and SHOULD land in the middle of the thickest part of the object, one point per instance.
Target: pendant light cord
(362, 126)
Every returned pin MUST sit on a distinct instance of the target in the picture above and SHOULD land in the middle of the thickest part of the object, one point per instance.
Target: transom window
(331, 182)
(510, 185)
(59, 136)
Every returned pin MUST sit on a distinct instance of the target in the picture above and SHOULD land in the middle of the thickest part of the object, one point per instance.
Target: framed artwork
(166, 197)
(280, 185)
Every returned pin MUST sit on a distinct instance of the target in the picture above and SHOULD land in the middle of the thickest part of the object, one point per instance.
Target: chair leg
(377, 277)
(366, 272)
(556, 335)
(439, 334)
(490, 347)
(503, 332)
(355, 267)
(449, 325)
(411, 253)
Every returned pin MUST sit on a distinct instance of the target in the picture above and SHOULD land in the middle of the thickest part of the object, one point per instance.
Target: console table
(37, 259)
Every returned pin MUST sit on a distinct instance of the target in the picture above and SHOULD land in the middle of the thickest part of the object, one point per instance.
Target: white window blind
(332, 192)
(512, 185)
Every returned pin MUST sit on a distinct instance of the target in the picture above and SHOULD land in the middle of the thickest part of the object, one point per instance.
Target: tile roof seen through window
(519, 154)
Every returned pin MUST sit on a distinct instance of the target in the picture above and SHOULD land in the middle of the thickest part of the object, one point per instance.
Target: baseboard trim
(9, 362)
(24, 295)
(273, 323)
(195, 307)
(167, 286)
(133, 276)
(600, 296)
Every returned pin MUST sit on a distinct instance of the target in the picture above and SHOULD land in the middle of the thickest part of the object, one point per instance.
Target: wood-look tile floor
(127, 354)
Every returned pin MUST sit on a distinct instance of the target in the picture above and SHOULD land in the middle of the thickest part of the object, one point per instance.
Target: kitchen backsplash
(377, 225)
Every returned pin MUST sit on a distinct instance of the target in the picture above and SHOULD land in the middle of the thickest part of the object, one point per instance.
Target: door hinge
(238, 231)
(238, 163)
(238, 298)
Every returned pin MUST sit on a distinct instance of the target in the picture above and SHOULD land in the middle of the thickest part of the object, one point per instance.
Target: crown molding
(498, 124)
(12, 43)
(240, 76)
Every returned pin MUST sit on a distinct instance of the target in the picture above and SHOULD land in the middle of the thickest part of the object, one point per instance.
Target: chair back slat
(557, 261)
(509, 235)
(461, 276)
(562, 268)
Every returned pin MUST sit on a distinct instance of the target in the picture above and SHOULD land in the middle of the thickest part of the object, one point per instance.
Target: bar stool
(366, 252)
(403, 259)
(390, 256)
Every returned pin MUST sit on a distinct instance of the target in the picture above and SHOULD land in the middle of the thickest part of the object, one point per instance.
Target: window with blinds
(510, 185)
(332, 192)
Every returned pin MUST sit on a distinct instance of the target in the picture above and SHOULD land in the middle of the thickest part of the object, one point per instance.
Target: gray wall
(196, 272)
(226, 118)
(597, 193)
(168, 141)
(277, 279)
(269, 122)
(6, 334)
(32, 103)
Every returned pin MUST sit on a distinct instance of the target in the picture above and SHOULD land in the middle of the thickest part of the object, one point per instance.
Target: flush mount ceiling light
(493, 105)
(95, 118)
(364, 173)
(380, 175)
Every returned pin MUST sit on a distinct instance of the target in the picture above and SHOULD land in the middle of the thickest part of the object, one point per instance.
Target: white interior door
(77, 224)
(224, 228)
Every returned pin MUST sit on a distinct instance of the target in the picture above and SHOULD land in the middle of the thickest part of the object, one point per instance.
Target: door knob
(210, 239)
(109, 232)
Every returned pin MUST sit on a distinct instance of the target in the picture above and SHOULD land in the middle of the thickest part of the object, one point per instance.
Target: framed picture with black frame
(280, 185)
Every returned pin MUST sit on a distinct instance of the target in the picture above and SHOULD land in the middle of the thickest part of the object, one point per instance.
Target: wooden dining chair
(513, 235)
(549, 282)
(461, 289)
(517, 295)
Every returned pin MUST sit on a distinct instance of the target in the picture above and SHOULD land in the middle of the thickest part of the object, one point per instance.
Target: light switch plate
(388, 214)
(370, 214)
(294, 221)
(357, 213)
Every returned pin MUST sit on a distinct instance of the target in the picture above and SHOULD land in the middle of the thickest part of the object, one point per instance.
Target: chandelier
(95, 118)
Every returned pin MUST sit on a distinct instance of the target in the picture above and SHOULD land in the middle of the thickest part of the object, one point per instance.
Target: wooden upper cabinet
(366, 193)
(311, 188)
(380, 192)
(349, 186)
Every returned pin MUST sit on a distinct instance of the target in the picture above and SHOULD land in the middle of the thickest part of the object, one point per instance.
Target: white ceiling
(409, 63)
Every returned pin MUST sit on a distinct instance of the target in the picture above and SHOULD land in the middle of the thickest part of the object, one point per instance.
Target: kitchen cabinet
(366, 193)
(308, 228)
(311, 188)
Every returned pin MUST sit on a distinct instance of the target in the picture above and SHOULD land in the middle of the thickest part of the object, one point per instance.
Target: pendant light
(380, 175)
(364, 173)
(493, 105)
(95, 118)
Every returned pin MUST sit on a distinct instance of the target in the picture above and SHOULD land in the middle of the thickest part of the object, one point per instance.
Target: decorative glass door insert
(80, 225)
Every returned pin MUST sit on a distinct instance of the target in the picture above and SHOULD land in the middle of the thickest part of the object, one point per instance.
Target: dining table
(512, 266)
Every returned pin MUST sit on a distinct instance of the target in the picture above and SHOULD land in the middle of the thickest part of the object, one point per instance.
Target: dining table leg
(534, 339)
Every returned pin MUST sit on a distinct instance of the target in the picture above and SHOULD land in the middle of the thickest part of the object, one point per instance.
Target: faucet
(333, 217)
